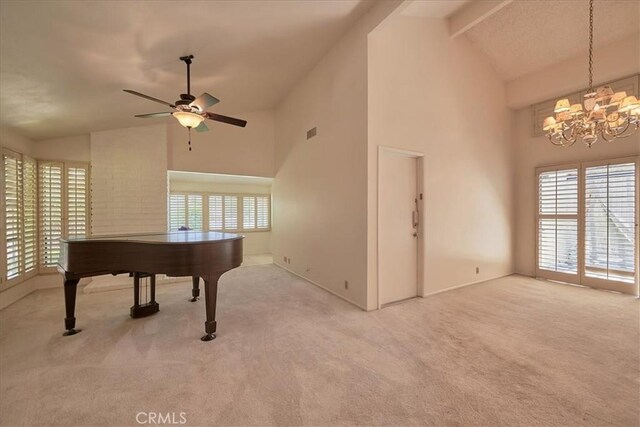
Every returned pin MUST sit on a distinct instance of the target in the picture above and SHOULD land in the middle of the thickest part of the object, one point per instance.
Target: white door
(397, 227)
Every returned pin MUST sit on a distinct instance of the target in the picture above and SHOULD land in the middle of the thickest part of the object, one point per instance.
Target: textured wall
(439, 96)
(129, 180)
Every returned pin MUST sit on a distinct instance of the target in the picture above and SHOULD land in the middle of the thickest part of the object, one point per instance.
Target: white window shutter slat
(50, 176)
(13, 225)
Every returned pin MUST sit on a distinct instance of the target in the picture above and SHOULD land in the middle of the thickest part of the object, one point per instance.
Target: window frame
(66, 165)
(610, 284)
(581, 278)
(6, 283)
(549, 274)
(205, 208)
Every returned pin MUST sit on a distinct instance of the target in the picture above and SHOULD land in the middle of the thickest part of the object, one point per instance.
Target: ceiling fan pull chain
(189, 139)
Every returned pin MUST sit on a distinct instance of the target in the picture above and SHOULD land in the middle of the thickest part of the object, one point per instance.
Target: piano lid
(172, 237)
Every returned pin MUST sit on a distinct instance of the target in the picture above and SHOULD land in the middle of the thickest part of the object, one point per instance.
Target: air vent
(312, 132)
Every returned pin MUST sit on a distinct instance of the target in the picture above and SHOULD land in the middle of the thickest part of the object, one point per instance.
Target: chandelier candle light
(606, 115)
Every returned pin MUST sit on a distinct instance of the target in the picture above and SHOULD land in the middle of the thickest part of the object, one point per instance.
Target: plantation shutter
(30, 213)
(558, 223)
(50, 176)
(195, 212)
(216, 212)
(263, 215)
(230, 212)
(177, 211)
(610, 209)
(249, 212)
(13, 226)
(77, 201)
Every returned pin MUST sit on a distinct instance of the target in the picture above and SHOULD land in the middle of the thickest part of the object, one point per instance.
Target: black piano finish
(205, 255)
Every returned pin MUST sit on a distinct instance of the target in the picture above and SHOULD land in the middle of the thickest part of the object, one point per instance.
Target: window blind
(194, 209)
(219, 212)
(13, 226)
(216, 212)
(263, 219)
(177, 211)
(77, 202)
(610, 198)
(230, 212)
(30, 213)
(249, 212)
(50, 186)
(558, 221)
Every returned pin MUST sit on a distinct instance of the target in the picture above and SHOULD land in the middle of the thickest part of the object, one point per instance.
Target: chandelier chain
(590, 46)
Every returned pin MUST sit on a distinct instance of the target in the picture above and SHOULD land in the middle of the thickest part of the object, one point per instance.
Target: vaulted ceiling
(526, 36)
(64, 63)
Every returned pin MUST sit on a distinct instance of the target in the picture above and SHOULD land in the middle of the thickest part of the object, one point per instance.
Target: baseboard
(321, 286)
(451, 288)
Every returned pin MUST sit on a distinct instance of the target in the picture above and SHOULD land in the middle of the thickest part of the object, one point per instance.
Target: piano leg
(70, 288)
(210, 298)
(195, 292)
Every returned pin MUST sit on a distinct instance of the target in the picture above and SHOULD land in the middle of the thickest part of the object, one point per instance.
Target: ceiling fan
(189, 110)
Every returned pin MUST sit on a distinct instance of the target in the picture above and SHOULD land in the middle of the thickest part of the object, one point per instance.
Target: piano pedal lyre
(150, 306)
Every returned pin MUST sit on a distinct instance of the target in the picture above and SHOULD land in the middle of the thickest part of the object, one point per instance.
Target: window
(177, 211)
(219, 212)
(610, 222)
(558, 221)
(216, 212)
(19, 216)
(255, 213)
(50, 185)
(63, 194)
(231, 213)
(587, 224)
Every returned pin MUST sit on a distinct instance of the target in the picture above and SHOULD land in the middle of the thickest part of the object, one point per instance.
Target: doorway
(399, 225)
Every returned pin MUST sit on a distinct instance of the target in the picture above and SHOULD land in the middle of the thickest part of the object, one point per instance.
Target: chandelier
(606, 115)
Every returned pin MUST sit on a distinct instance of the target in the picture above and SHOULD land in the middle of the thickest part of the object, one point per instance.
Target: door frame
(608, 284)
(419, 157)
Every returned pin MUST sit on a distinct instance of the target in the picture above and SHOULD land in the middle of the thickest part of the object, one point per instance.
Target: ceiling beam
(472, 14)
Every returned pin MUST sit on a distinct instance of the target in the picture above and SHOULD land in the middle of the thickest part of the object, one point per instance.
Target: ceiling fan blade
(153, 115)
(202, 127)
(204, 101)
(225, 119)
(150, 98)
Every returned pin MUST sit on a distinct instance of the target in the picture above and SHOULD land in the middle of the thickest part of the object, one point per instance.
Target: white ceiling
(216, 178)
(433, 8)
(526, 36)
(64, 63)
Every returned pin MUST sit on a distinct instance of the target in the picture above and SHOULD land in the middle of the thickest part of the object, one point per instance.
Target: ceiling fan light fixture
(187, 119)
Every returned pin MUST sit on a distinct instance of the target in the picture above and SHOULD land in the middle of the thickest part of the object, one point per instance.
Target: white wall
(611, 62)
(255, 242)
(320, 187)
(226, 149)
(532, 152)
(73, 148)
(15, 142)
(129, 180)
(438, 96)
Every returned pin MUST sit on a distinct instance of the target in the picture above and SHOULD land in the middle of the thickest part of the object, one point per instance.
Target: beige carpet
(513, 351)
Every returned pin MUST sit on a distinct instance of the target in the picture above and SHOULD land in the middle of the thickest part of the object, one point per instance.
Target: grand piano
(205, 255)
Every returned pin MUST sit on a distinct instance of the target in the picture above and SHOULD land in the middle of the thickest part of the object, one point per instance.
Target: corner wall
(532, 152)
(437, 95)
(613, 61)
(226, 149)
(320, 186)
